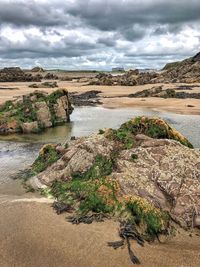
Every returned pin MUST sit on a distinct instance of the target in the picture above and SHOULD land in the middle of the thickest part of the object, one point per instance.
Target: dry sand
(111, 96)
(33, 235)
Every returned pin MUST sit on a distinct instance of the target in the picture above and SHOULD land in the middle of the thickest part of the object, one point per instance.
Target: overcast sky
(98, 34)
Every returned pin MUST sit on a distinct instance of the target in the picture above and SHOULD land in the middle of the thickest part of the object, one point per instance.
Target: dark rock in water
(34, 112)
(17, 75)
(89, 98)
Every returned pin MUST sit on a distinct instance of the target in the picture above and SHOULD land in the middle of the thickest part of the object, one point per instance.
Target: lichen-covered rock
(35, 112)
(166, 172)
(43, 114)
(62, 104)
(30, 127)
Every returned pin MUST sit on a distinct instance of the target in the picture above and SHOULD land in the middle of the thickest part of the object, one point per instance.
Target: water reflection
(87, 120)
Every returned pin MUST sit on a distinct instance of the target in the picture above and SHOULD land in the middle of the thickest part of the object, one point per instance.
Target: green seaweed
(48, 156)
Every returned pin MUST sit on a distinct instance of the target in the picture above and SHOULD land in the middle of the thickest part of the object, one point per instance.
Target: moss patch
(47, 156)
(152, 127)
(95, 192)
(144, 213)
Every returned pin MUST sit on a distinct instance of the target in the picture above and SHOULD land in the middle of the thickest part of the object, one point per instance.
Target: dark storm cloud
(25, 13)
(111, 15)
(106, 15)
(98, 30)
(34, 47)
(107, 41)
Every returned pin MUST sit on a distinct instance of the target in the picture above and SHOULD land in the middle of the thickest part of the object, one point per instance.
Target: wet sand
(110, 96)
(33, 235)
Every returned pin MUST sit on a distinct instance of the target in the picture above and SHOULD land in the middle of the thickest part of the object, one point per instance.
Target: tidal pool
(17, 152)
(87, 120)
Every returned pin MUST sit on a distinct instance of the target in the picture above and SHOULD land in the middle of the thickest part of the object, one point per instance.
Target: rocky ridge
(186, 71)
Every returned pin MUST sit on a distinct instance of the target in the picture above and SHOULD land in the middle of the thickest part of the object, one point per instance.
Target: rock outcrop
(17, 75)
(50, 76)
(158, 91)
(186, 71)
(34, 112)
(151, 160)
(130, 78)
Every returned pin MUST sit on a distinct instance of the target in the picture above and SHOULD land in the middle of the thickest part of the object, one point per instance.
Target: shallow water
(87, 120)
(17, 152)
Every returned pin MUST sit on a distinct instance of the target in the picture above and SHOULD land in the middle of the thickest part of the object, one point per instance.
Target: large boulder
(35, 112)
(164, 170)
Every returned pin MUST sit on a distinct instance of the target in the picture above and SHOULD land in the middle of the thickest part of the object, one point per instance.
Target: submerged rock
(150, 159)
(34, 112)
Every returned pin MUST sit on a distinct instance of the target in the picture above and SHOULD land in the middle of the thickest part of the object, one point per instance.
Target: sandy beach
(114, 96)
(33, 235)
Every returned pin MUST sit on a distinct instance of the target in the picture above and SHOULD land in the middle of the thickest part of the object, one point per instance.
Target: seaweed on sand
(128, 232)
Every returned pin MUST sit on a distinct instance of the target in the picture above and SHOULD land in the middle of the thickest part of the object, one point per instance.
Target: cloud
(98, 33)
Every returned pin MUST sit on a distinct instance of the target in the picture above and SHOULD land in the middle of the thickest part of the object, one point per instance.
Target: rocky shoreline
(186, 71)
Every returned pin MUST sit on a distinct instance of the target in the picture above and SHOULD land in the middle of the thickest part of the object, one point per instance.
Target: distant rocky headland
(34, 112)
(186, 71)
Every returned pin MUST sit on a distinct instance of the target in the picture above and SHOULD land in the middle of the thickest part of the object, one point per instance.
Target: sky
(98, 34)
